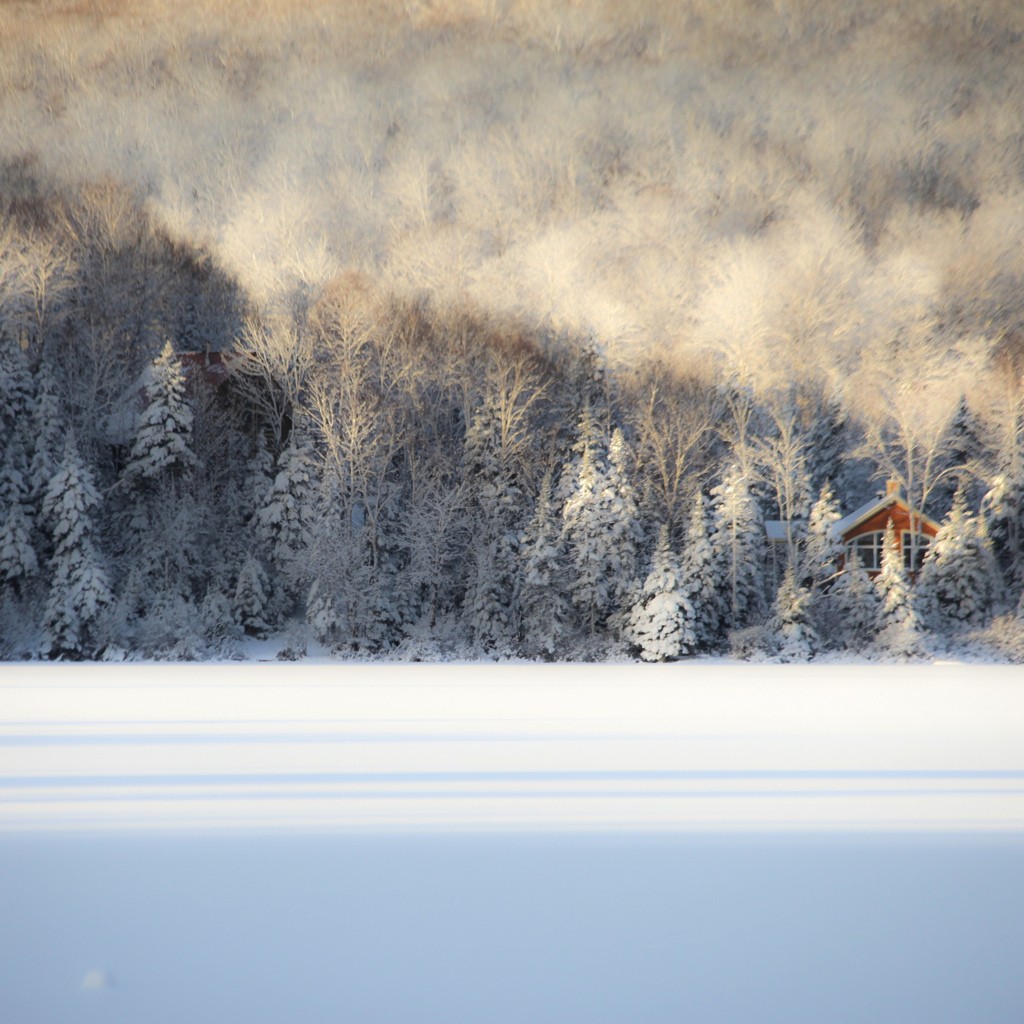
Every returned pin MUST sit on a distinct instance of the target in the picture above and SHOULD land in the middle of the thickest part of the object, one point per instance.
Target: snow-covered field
(463, 843)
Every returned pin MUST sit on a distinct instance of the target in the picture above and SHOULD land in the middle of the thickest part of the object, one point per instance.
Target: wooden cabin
(863, 530)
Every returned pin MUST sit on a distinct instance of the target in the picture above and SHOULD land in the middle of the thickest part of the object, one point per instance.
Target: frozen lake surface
(473, 844)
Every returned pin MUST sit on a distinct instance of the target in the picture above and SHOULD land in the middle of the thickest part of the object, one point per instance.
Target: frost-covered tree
(47, 431)
(738, 544)
(495, 508)
(661, 622)
(784, 462)
(899, 620)
(282, 519)
(825, 442)
(790, 628)
(822, 551)
(966, 456)
(79, 586)
(162, 441)
(855, 607)
(545, 614)
(18, 560)
(601, 533)
(17, 391)
(251, 598)
(957, 583)
(698, 580)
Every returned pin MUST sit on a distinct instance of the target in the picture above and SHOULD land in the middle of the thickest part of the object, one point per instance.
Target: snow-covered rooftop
(871, 508)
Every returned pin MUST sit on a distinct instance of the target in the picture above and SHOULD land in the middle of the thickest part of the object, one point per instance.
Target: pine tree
(18, 559)
(899, 621)
(46, 435)
(956, 587)
(495, 506)
(790, 626)
(17, 392)
(164, 432)
(627, 534)
(251, 597)
(1003, 510)
(661, 622)
(698, 580)
(282, 520)
(545, 614)
(738, 544)
(822, 551)
(826, 442)
(856, 607)
(601, 534)
(79, 589)
(966, 446)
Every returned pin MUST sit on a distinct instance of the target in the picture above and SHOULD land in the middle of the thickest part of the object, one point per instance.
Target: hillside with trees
(500, 330)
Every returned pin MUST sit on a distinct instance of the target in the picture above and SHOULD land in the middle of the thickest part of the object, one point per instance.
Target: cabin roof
(849, 523)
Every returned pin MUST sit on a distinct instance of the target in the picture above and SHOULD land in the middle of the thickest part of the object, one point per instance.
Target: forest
(498, 329)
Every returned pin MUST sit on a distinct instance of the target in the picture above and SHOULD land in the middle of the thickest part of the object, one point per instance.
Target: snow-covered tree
(601, 534)
(790, 627)
(495, 508)
(47, 431)
(545, 614)
(17, 391)
(163, 435)
(251, 598)
(957, 583)
(282, 520)
(79, 587)
(18, 560)
(699, 583)
(825, 440)
(739, 547)
(661, 622)
(855, 607)
(822, 551)
(899, 620)
(966, 456)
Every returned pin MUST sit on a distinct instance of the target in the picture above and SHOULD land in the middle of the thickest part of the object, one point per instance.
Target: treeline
(396, 479)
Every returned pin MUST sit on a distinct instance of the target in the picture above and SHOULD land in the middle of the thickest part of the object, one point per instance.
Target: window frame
(855, 546)
(924, 543)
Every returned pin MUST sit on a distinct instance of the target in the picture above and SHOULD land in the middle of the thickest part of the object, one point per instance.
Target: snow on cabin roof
(871, 508)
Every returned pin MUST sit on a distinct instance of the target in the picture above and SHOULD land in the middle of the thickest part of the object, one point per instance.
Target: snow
(328, 841)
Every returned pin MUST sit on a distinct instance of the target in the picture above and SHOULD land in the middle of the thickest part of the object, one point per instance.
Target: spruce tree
(698, 580)
(282, 519)
(661, 623)
(79, 587)
(17, 391)
(18, 559)
(856, 606)
(545, 614)
(601, 534)
(899, 621)
(738, 543)
(47, 430)
(495, 508)
(790, 627)
(163, 435)
(956, 587)
(251, 598)
(822, 551)
(966, 448)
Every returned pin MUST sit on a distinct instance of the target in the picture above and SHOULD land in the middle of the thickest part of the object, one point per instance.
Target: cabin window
(868, 548)
(915, 547)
